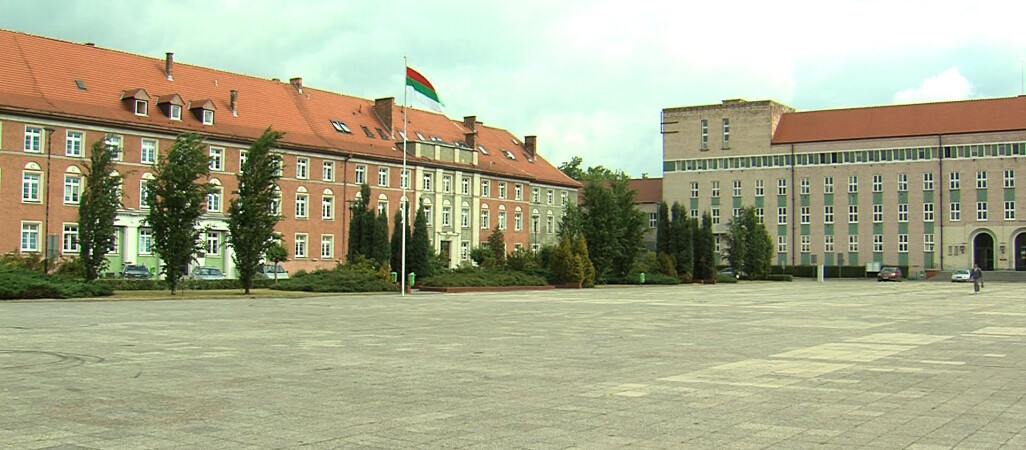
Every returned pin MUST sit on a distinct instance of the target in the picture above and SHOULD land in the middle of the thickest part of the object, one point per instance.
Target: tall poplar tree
(419, 254)
(97, 209)
(250, 219)
(177, 199)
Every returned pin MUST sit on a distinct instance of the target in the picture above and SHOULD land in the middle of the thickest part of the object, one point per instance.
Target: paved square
(755, 365)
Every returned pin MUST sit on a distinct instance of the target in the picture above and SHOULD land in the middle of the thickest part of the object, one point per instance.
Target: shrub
(119, 284)
(483, 277)
(356, 278)
(725, 279)
(23, 284)
(779, 278)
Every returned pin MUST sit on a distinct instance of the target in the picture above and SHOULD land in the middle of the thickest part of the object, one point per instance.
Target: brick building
(928, 186)
(57, 98)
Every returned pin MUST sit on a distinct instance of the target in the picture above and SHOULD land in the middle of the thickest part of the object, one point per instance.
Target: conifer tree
(97, 209)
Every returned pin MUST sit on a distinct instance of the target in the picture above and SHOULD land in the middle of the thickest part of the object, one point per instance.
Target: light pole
(46, 203)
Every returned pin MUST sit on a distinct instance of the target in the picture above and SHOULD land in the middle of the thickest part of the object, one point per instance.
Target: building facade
(57, 98)
(928, 186)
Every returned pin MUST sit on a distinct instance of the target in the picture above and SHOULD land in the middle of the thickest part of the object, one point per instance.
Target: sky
(589, 78)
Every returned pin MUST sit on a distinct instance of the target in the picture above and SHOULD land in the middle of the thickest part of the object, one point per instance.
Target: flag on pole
(421, 84)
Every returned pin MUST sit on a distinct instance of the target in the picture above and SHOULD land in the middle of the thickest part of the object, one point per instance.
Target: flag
(421, 84)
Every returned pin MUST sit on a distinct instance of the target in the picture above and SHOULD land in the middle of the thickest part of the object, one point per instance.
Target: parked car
(889, 274)
(206, 273)
(136, 272)
(729, 271)
(961, 276)
(271, 271)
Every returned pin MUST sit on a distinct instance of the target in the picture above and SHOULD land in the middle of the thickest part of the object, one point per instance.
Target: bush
(779, 278)
(483, 277)
(360, 277)
(728, 279)
(22, 284)
(119, 284)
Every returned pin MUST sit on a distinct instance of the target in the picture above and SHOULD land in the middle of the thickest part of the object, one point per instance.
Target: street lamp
(46, 203)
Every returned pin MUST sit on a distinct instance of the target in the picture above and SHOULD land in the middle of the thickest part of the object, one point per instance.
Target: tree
(497, 245)
(705, 264)
(380, 247)
(664, 244)
(748, 244)
(358, 229)
(682, 241)
(419, 255)
(276, 254)
(177, 199)
(97, 209)
(613, 226)
(572, 223)
(572, 168)
(396, 245)
(250, 219)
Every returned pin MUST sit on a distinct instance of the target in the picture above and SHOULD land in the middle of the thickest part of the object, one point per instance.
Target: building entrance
(1020, 252)
(983, 251)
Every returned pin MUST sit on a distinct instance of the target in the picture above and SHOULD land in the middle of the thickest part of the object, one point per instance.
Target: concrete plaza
(844, 364)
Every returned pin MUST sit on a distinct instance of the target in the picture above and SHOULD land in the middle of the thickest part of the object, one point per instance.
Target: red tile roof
(650, 190)
(969, 116)
(38, 77)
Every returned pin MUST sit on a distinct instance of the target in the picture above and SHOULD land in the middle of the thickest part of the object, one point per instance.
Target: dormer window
(171, 105)
(204, 110)
(208, 117)
(142, 108)
(175, 112)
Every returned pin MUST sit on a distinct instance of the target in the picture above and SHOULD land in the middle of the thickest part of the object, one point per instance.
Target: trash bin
(411, 278)
(641, 278)
(395, 277)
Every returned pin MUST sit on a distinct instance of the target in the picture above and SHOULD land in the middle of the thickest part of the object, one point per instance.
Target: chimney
(471, 138)
(531, 146)
(235, 102)
(469, 121)
(383, 109)
(298, 83)
(169, 64)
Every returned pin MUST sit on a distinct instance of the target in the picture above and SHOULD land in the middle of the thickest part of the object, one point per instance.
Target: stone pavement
(845, 364)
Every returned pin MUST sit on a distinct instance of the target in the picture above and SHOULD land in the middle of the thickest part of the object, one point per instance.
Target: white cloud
(948, 85)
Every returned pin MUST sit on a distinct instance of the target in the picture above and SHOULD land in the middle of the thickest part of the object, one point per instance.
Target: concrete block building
(57, 98)
(928, 186)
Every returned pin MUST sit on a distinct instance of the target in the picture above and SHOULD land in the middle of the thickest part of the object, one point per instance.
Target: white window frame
(446, 216)
(736, 188)
(360, 175)
(878, 243)
(447, 183)
(208, 117)
(465, 185)
(781, 244)
(143, 195)
(72, 186)
(927, 181)
(404, 179)
(902, 212)
(302, 205)
(69, 239)
(484, 219)
(714, 212)
(805, 215)
(214, 200)
(174, 112)
(981, 211)
(928, 212)
(760, 190)
(694, 189)
(878, 213)
(714, 189)
(327, 246)
(300, 244)
(902, 243)
(502, 190)
(145, 241)
(877, 183)
(31, 186)
(549, 197)
(427, 180)
(928, 243)
(853, 213)
(781, 186)
(73, 142)
(383, 176)
(328, 170)
(1010, 210)
(118, 143)
(804, 186)
(806, 244)
(217, 158)
(142, 108)
(302, 168)
(502, 220)
(902, 182)
(144, 151)
(518, 192)
(955, 211)
(33, 139)
(212, 246)
(328, 207)
(853, 184)
(853, 243)
(954, 181)
(465, 218)
(1009, 177)
(828, 185)
(828, 214)
(981, 179)
(828, 243)
(781, 215)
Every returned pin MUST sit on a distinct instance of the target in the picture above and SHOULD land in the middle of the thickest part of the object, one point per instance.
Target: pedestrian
(977, 276)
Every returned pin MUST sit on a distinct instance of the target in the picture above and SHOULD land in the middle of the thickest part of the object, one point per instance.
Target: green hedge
(162, 285)
(829, 271)
(340, 279)
(779, 278)
(728, 279)
(23, 284)
(482, 277)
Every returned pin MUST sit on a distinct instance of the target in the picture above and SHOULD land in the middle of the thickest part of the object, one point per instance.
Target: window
(853, 184)
(33, 139)
(928, 242)
(464, 251)
(213, 247)
(328, 207)
(928, 181)
(301, 201)
(30, 186)
(805, 215)
(486, 188)
(208, 117)
(806, 244)
(981, 211)
(877, 213)
(954, 181)
(72, 189)
(828, 185)
(726, 133)
(853, 213)
(465, 218)
(902, 243)
(328, 171)
(694, 213)
(828, 243)
(300, 247)
(518, 221)
(327, 246)
(782, 215)
(564, 199)
(694, 189)
(73, 143)
(955, 211)
(145, 241)
(148, 151)
(828, 214)
(902, 212)
(404, 179)
(361, 174)
(243, 156)
(214, 200)
(447, 184)
(142, 108)
(382, 208)
(715, 190)
(502, 190)
(175, 112)
(927, 212)
(447, 216)
(877, 183)
(853, 243)
(737, 188)
(550, 226)
(548, 197)
(534, 223)
(216, 158)
(781, 244)
(382, 176)
(760, 214)
(276, 202)
(804, 186)
(502, 220)
(428, 216)
(302, 168)
(653, 220)
(902, 182)
(70, 238)
(878, 245)
(484, 220)
(144, 193)
(1009, 178)
(715, 216)
(1010, 210)
(465, 186)
(981, 179)
(781, 186)
(518, 192)
(427, 182)
(758, 189)
(535, 198)
(114, 142)
(705, 134)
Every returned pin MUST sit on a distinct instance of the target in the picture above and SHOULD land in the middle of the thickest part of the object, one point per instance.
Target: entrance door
(445, 250)
(1020, 252)
(983, 251)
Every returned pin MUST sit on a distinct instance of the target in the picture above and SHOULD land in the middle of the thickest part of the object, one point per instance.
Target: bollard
(642, 278)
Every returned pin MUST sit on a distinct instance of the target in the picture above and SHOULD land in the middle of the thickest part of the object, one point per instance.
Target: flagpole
(404, 202)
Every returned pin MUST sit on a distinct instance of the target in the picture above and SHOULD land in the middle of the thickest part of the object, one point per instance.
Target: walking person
(977, 276)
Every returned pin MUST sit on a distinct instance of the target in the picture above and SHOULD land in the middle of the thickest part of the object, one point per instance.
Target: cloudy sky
(588, 77)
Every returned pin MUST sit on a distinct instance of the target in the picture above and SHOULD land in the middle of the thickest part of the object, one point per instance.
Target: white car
(272, 272)
(961, 276)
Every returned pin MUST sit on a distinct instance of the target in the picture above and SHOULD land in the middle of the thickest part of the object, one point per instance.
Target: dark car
(729, 272)
(889, 274)
(135, 271)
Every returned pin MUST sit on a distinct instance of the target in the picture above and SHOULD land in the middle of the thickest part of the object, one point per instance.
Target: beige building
(927, 186)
